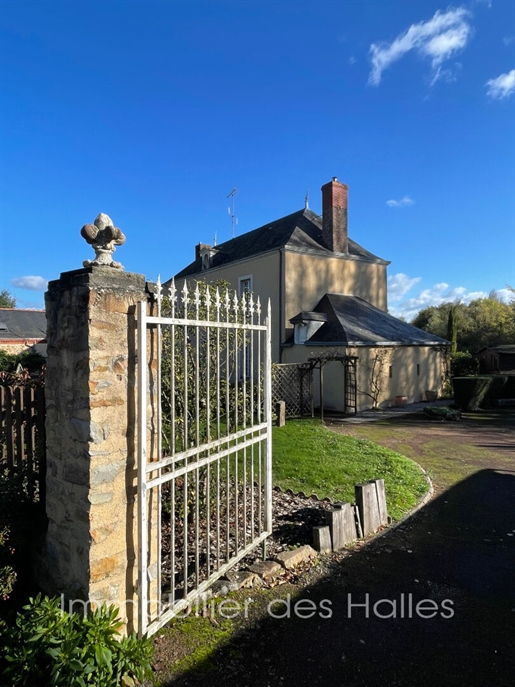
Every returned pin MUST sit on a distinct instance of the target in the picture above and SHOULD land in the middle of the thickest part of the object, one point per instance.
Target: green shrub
(464, 364)
(470, 392)
(442, 413)
(501, 386)
(509, 387)
(7, 572)
(33, 362)
(495, 389)
(21, 522)
(49, 647)
(7, 361)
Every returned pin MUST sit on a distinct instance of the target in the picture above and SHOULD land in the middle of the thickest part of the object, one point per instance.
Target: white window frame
(241, 281)
(246, 279)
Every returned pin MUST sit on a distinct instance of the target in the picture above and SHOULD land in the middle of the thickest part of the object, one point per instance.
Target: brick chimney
(334, 216)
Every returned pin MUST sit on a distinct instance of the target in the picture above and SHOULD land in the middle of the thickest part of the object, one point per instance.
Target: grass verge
(449, 451)
(187, 645)
(309, 457)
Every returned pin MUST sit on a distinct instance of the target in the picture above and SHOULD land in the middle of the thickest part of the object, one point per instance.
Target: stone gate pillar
(90, 551)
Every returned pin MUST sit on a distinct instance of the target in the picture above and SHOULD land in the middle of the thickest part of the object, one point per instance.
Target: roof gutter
(376, 344)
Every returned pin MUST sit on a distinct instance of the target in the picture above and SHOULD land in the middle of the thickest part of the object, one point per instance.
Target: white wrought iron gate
(205, 454)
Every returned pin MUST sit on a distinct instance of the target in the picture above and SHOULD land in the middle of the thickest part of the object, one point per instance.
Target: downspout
(281, 303)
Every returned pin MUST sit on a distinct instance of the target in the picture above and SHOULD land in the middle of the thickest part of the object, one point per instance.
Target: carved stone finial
(103, 236)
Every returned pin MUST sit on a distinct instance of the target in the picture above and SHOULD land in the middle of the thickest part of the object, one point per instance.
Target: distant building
(22, 330)
(497, 359)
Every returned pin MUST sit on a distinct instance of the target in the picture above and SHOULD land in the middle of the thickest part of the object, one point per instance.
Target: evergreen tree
(7, 300)
(452, 329)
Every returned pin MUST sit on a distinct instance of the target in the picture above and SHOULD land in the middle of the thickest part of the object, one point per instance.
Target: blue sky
(152, 112)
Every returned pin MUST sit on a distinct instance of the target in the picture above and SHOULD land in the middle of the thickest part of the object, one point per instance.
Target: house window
(418, 369)
(245, 287)
(245, 284)
(300, 333)
(390, 372)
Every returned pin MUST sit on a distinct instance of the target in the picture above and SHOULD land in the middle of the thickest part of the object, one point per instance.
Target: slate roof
(353, 321)
(306, 316)
(503, 348)
(18, 324)
(300, 231)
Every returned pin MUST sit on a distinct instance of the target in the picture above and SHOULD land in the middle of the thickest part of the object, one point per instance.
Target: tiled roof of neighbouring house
(354, 321)
(22, 324)
(300, 231)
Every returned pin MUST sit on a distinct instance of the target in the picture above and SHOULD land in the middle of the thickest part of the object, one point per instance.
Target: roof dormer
(306, 324)
(205, 252)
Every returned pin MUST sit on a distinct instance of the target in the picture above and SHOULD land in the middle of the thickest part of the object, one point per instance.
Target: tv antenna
(234, 219)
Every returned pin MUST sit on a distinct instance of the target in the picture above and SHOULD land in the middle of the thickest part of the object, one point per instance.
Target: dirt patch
(449, 451)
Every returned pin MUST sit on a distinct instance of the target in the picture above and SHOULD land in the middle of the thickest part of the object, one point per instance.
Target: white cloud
(501, 87)
(437, 39)
(352, 59)
(508, 40)
(436, 295)
(30, 283)
(399, 284)
(505, 295)
(406, 200)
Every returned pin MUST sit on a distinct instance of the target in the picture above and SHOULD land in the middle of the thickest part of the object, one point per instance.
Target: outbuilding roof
(503, 348)
(352, 321)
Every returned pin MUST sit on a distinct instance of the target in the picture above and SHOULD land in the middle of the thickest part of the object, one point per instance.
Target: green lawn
(310, 458)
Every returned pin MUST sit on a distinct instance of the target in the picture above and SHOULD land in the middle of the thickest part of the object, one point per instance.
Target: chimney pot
(334, 216)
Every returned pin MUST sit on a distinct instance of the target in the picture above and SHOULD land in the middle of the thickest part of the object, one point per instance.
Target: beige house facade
(394, 365)
(295, 262)
(409, 374)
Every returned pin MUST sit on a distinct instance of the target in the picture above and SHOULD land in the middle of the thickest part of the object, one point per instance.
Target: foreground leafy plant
(52, 648)
(7, 572)
(21, 520)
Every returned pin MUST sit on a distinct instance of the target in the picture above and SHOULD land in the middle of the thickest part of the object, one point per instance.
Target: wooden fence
(22, 434)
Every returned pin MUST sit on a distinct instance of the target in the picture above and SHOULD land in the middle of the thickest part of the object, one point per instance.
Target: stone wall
(91, 545)
(24, 346)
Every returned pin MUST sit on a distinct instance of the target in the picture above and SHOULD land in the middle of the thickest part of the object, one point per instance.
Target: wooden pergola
(349, 363)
